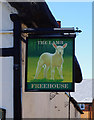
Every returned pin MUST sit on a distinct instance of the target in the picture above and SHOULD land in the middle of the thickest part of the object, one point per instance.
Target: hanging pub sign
(49, 64)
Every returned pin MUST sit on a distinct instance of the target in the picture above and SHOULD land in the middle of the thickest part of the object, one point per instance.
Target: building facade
(34, 105)
(84, 97)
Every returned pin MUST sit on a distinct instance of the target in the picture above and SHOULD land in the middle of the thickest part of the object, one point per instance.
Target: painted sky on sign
(77, 14)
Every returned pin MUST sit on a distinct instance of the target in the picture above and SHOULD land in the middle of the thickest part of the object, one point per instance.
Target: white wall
(59, 106)
(6, 82)
(7, 85)
(0, 58)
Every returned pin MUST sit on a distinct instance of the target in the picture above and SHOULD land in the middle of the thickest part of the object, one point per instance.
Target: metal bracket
(16, 67)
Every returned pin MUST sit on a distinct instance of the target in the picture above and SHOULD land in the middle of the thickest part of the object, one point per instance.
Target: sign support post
(17, 67)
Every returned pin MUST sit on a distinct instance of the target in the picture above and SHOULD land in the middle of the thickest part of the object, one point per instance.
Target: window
(82, 106)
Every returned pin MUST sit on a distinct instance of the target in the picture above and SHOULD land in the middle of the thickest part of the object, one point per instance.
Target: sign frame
(50, 36)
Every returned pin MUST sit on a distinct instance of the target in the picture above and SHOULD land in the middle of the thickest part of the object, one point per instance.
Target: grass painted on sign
(67, 71)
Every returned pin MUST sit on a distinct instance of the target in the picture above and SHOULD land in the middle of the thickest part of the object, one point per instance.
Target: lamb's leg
(39, 66)
(37, 72)
(52, 73)
(45, 71)
(60, 72)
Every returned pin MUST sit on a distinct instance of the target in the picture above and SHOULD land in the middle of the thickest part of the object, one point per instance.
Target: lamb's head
(59, 49)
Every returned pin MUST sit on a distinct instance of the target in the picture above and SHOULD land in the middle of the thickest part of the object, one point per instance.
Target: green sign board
(49, 64)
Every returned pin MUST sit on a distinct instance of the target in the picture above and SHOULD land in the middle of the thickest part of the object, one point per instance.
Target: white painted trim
(6, 32)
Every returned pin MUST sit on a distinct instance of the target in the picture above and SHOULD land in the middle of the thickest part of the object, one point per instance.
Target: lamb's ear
(54, 45)
(65, 45)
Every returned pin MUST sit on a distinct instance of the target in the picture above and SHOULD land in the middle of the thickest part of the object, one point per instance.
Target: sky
(77, 14)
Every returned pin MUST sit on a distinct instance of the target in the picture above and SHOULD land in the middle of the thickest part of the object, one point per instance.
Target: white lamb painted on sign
(51, 60)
